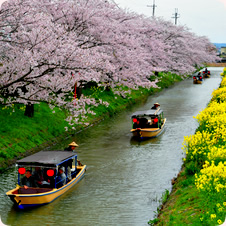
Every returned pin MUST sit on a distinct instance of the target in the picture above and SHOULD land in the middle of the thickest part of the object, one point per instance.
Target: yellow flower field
(206, 154)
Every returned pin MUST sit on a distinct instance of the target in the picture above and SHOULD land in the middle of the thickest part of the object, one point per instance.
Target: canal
(125, 179)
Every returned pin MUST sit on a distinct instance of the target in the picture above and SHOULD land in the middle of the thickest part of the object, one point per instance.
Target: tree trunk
(29, 111)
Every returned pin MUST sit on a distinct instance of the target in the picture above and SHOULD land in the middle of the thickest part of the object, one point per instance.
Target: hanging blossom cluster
(47, 47)
(206, 149)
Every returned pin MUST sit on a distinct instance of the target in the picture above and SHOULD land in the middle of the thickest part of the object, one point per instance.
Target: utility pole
(153, 6)
(176, 15)
(115, 3)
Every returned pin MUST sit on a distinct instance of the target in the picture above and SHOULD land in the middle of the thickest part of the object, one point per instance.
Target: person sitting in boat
(136, 123)
(61, 178)
(49, 178)
(38, 176)
(154, 123)
(156, 106)
(28, 180)
(143, 123)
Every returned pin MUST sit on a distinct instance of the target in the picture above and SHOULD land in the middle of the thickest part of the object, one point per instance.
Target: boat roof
(46, 158)
(151, 112)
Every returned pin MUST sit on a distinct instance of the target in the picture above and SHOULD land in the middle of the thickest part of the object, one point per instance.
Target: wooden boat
(49, 163)
(206, 74)
(148, 124)
(197, 79)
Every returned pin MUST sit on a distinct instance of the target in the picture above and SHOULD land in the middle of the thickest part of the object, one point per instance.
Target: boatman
(156, 106)
(28, 180)
(71, 146)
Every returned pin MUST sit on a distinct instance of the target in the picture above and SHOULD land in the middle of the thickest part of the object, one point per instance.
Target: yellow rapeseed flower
(212, 177)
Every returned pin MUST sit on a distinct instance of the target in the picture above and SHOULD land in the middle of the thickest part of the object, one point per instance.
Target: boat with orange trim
(148, 124)
(197, 79)
(206, 73)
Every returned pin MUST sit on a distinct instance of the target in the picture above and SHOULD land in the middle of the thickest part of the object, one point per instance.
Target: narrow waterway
(125, 179)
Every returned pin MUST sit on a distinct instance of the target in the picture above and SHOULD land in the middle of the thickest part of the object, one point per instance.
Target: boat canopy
(46, 158)
(149, 113)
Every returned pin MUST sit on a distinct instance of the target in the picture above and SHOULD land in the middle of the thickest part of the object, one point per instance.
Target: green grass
(186, 205)
(181, 207)
(19, 133)
(166, 79)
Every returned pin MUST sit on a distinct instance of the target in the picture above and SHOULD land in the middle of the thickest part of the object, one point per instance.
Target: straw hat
(73, 144)
(157, 104)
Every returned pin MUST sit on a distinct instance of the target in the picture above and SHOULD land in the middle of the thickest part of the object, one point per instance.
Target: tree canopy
(46, 46)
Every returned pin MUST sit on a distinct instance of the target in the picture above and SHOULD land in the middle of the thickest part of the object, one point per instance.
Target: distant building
(218, 46)
(223, 50)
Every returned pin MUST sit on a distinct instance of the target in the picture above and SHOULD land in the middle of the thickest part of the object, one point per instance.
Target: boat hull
(148, 132)
(197, 82)
(206, 75)
(24, 201)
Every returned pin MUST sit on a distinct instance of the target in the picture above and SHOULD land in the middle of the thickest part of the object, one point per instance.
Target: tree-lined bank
(47, 48)
(20, 135)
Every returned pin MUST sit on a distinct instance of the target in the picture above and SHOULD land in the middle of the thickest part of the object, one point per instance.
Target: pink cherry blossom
(44, 42)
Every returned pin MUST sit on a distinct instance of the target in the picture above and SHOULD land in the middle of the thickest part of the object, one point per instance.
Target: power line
(176, 15)
(153, 6)
(115, 3)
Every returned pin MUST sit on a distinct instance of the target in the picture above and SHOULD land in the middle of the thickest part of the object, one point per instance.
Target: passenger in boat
(61, 178)
(154, 123)
(38, 176)
(155, 106)
(68, 165)
(28, 180)
(49, 180)
(143, 123)
(136, 123)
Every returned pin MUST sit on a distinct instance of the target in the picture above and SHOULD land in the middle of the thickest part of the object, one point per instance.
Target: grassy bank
(199, 192)
(21, 135)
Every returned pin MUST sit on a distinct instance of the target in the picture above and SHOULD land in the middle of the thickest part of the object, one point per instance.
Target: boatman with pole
(71, 147)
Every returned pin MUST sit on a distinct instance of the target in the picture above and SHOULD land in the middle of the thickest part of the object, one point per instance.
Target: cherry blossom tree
(48, 46)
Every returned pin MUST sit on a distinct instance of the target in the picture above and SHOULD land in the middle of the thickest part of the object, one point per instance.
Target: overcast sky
(203, 17)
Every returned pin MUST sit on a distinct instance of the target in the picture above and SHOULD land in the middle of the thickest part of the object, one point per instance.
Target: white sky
(203, 17)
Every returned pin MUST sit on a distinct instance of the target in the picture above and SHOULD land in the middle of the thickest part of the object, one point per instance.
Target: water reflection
(125, 179)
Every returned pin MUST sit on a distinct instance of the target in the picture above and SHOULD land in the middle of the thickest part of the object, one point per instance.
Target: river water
(125, 179)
